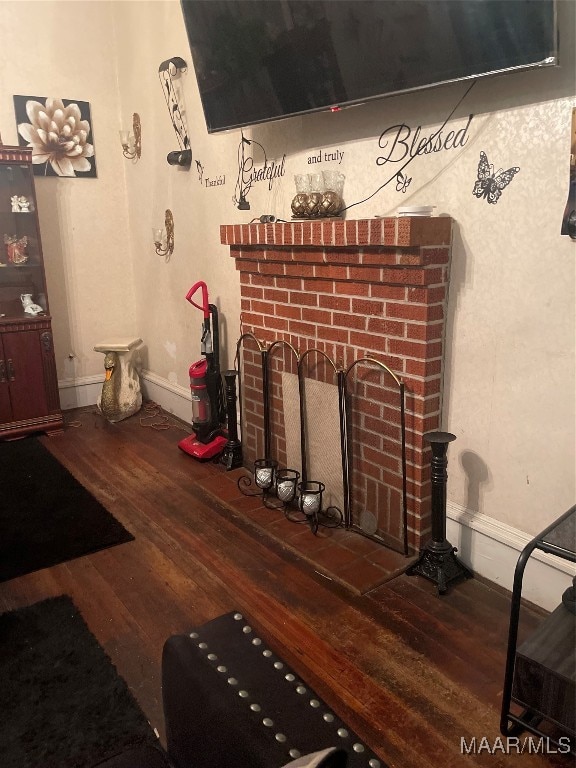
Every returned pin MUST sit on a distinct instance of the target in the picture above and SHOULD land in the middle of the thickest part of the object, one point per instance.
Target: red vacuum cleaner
(208, 409)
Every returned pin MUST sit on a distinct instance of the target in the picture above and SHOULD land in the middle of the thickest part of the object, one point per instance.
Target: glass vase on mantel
(318, 195)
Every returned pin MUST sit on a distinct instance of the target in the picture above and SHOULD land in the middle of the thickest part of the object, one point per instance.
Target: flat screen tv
(260, 60)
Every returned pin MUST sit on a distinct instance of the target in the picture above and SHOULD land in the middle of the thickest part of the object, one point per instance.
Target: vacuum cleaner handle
(205, 304)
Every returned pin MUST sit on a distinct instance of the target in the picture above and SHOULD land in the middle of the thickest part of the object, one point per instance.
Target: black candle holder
(437, 561)
(280, 489)
(263, 477)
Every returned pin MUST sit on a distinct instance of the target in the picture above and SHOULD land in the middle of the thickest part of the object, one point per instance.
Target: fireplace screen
(341, 433)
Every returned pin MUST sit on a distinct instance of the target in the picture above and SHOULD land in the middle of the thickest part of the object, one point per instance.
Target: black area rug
(62, 704)
(46, 515)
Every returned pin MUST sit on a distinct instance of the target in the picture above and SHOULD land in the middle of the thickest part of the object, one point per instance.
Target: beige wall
(510, 345)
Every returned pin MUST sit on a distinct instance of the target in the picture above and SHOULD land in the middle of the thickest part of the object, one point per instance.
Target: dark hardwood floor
(412, 673)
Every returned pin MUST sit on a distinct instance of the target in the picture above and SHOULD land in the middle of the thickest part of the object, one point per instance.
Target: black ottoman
(230, 702)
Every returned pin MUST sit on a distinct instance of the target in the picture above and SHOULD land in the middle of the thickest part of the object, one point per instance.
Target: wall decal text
(489, 184)
(400, 141)
(268, 172)
(327, 157)
(219, 181)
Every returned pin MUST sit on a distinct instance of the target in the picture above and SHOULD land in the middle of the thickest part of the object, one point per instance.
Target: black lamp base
(440, 565)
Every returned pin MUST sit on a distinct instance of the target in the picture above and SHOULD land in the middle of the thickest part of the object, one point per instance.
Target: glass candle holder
(310, 502)
(264, 473)
(286, 482)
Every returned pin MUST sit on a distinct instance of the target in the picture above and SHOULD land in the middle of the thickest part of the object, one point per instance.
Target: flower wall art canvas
(59, 133)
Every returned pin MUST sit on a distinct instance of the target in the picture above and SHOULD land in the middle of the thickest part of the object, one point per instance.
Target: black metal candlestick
(232, 455)
(437, 560)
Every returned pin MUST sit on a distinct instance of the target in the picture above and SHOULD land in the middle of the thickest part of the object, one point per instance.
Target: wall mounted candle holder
(164, 239)
(132, 142)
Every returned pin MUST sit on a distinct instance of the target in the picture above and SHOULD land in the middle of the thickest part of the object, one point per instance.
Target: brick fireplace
(372, 287)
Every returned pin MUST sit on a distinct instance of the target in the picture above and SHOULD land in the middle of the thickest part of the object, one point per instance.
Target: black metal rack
(558, 539)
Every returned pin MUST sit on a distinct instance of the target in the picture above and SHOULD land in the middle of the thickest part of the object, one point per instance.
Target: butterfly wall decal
(490, 185)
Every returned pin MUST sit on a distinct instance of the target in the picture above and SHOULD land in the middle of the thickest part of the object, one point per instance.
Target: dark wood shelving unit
(29, 400)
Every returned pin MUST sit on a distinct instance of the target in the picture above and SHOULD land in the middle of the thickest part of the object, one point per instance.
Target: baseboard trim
(171, 397)
(79, 393)
(491, 549)
(487, 546)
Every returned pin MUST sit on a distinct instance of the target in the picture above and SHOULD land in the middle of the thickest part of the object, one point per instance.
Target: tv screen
(259, 60)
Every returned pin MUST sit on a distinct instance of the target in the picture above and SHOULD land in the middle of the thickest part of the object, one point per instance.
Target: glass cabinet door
(22, 284)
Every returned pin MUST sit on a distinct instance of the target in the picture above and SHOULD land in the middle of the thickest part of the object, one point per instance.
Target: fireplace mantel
(404, 232)
(354, 288)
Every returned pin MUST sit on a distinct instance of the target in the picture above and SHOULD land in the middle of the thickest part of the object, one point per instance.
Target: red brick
(349, 320)
(407, 348)
(334, 334)
(304, 329)
(352, 289)
(277, 254)
(316, 316)
(423, 368)
(363, 232)
(320, 286)
(339, 233)
(275, 295)
(243, 265)
(327, 271)
(252, 293)
(368, 341)
(376, 231)
(367, 307)
(427, 295)
(299, 270)
(307, 299)
(381, 257)
(351, 233)
(316, 232)
(424, 331)
(339, 256)
(279, 323)
(271, 268)
(366, 274)
(395, 292)
(404, 276)
(335, 302)
(264, 280)
(263, 307)
(308, 256)
(385, 327)
(291, 283)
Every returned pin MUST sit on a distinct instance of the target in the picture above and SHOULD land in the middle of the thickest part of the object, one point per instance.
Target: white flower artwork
(59, 134)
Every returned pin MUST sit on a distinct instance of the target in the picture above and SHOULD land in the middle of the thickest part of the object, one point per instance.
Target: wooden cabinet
(29, 399)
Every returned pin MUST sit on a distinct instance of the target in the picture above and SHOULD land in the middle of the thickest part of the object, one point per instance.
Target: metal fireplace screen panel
(322, 434)
(251, 399)
(375, 454)
(282, 360)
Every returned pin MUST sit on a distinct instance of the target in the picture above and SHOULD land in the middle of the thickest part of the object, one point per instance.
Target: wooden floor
(412, 673)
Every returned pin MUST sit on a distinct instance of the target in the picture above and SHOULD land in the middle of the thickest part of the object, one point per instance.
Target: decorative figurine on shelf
(16, 249)
(15, 204)
(24, 204)
(30, 308)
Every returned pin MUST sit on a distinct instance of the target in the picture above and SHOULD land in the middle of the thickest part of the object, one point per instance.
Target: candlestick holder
(232, 455)
(310, 505)
(437, 561)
